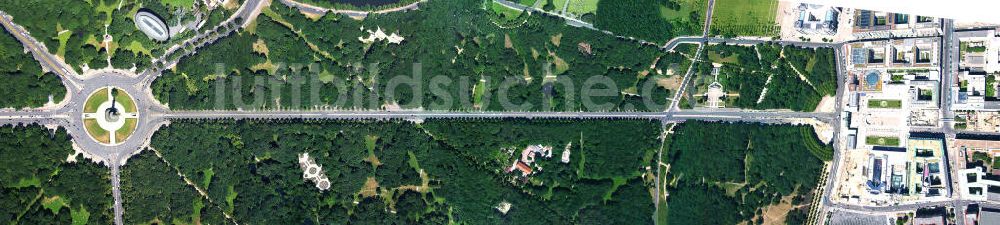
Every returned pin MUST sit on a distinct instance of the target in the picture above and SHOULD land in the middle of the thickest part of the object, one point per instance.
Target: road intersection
(68, 113)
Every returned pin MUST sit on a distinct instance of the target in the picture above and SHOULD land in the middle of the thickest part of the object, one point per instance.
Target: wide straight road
(709, 115)
(116, 193)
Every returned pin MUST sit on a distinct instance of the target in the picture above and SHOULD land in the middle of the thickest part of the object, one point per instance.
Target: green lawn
(715, 57)
(558, 5)
(882, 141)
(745, 18)
(527, 3)
(54, 203)
(127, 103)
(79, 216)
(63, 37)
(507, 13)
(477, 92)
(178, 3)
(126, 130)
(580, 7)
(137, 48)
(885, 103)
(100, 96)
(95, 130)
(684, 13)
(991, 90)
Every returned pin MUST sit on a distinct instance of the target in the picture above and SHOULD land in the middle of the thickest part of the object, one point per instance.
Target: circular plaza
(110, 115)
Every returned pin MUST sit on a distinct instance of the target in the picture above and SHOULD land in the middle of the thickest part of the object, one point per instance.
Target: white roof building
(817, 19)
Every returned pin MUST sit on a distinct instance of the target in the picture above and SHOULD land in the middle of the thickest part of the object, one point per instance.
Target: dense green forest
(24, 85)
(745, 72)
(152, 192)
(650, 20)
(392, 172)
(75, 29)
(64, 29)
(752, 166)
(467, 57)
(37, 185)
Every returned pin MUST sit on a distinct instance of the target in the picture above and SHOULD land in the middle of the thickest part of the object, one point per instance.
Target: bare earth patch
(828, 104)
(775, 214)
(370, 188)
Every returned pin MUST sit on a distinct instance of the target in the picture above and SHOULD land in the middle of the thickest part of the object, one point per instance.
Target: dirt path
(763, 92)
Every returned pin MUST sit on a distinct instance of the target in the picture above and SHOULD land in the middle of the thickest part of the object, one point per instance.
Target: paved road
(676, 99)
(713, 115)
(838, 148)
(153, 114)
(949, 65)
(117, 195)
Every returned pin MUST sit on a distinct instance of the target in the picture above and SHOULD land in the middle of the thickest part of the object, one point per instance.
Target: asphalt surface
(949, 65)
(839, 123)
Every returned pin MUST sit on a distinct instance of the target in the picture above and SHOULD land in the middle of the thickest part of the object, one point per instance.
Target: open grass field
(580, 7)
(745, 18)
(715, 57)
(63, 37)
(507, 13)
(96, 131)
(178, 3)
(885, 103)
(137, 48)
(100, 96)
(686, 8)
(127, 103)
(126, 130)
(559, 5)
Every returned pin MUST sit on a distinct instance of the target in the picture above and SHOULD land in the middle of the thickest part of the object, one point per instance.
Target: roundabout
(110, 116)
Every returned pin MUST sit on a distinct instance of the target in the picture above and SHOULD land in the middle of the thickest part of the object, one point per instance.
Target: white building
(817, 19)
